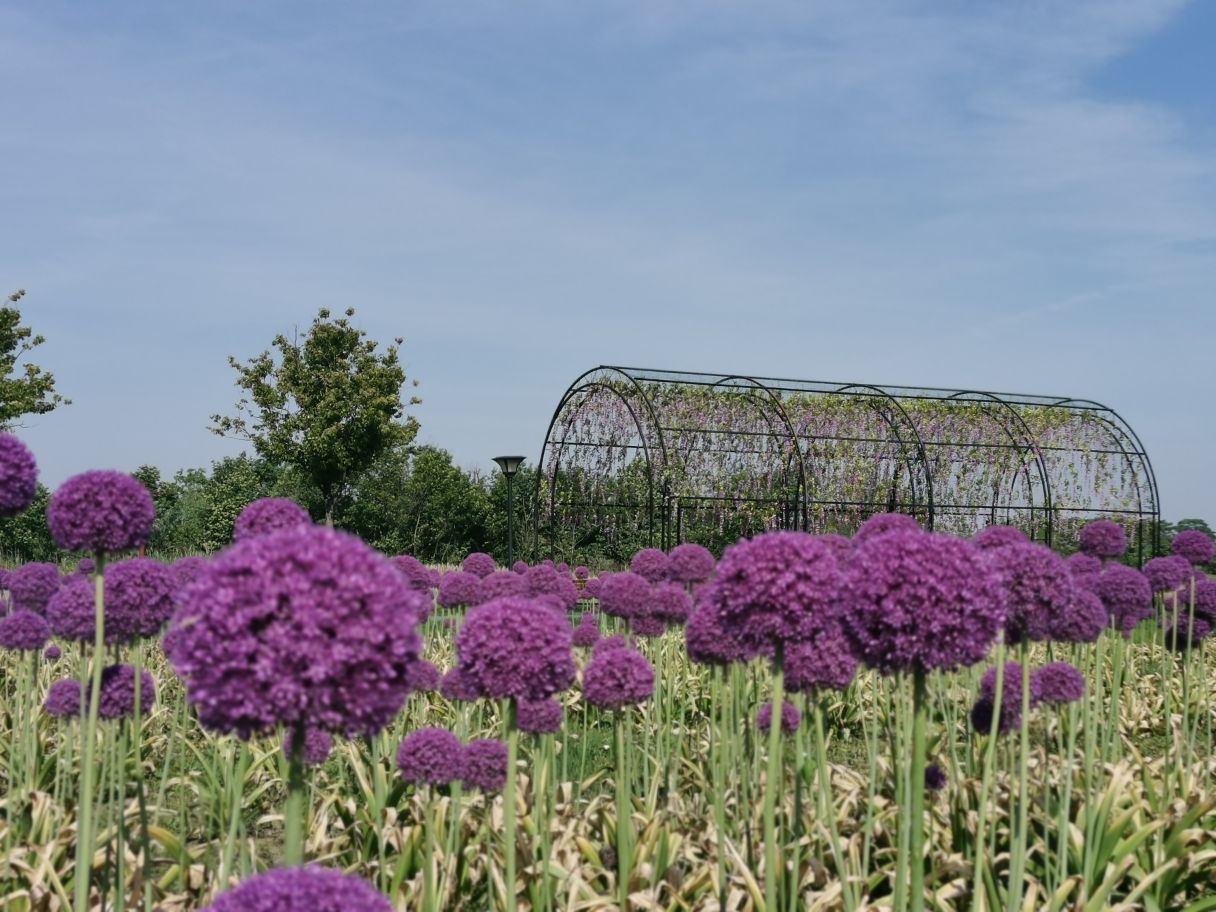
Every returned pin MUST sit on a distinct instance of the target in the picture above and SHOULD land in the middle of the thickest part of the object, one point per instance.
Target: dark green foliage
(26, 389)
(25, 537)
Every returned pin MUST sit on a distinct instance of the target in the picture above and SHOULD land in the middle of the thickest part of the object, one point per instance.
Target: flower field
(900, 720)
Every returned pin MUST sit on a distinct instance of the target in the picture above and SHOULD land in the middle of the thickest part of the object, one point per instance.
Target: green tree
(26, 389)
(327, 406)
(26, 537)
(443, 510)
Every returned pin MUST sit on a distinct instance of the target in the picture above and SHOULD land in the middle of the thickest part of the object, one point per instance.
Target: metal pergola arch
(637, 457)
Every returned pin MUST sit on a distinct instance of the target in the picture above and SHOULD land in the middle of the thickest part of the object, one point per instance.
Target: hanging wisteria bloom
(616, 678)
(539, 717)
(309, 889)
(917, 601)
(626, 595)
(1082, 620)
(479, 564)
(117, 700)
(317, 745)
(269, 514)
(1058, 683)
(424, 677)
(517, 648)
(431, 756)
(1195, 546)
(456, 687)
(24, 631)
(63, 699)
(459, 589)
(822, 662)
(485, 765)
(998, 537)
(306, 626)
(690, 563)
(1103, 538)
(1038, 589)
(790, 717)
(18, 476)
(651, 564)
(1127, 595)
(103, 512)
(885, 524)
(1165, 574)
(31, 586)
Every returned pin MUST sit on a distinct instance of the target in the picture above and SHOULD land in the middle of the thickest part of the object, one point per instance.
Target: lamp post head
(509, 464)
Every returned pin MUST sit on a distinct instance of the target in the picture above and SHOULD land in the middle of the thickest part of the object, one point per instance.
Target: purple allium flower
(1084, 565)
(707, 640)
(1195, 546)
(102, 512)
(593, 587)
(1187, 633)
(690, 563)
(647, 627)
(543, 580)
(885, 524)
(269, 514)
(626, 595)
(777, 587)
(139, 598)
(485, 765)
(1205, 599)
(72, 614)
(479, 564)
(317, 745)
(516, 647)
(186, 569)
(671, 603)
(562, 567)
(297, 889)
(459, 589)
(1127, 595)
(998, 537)
(1103, 538)
(1038, 588)
(1057, 682)
(823, 662)
(431, 756)
(520, 567)
(837, 544)
(424, 677)
(1165, 574)
(616, 678)
(63, 699)
(581, 572)
(52, 653)
(502, 583)
(790, 717)
(24, 631)
(651, 564)
(587, 632)
(919, 601)
(18, 476)
(1011, 700)
(607, 644)
(117, 700)
(416, 573)
(539, 717)
(306, 626)
(981, 717)
(1082, 620)
(86, 566)
(935, 778)
(31, 586)
(456, 687)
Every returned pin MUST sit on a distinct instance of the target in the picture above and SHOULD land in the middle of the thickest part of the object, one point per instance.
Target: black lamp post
(510, 465)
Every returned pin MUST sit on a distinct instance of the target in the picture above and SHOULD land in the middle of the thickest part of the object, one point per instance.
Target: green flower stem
(624, 814)
(827, 806)
(979, 861)
(88, 771)
(293, 836)
(1017, 861)
(772, 783)
(920, 718)
(508, 810)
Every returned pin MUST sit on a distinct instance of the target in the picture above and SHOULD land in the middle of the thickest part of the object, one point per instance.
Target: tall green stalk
(293, 836)
(624, 814)
(1017, 852)
(88, 771)
(772, 847)
(508, 797)
(920, 717)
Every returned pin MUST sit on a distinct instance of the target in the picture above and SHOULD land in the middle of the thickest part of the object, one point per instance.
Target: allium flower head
(1195, 546)
(24, 631)
(539, 717)
(998, 537)
(502, 583)
(690, 563)
(424, 677)
(72, 614)
(309, 889)
(607, 644)
(1103, 538)
(651, 564)
(777, 587)
(1083, 619)
(416, 573)
(520, 567)
(935, 778)
(1038, 589)
(31, 586)
(456, 687)
(1187, 633)
(86, 565)
(52, 653)
(1127, 595)
(431, 756)
(671, 603)
(1205, 599)
(837, 544)
(139, 598)
(543, 580)
(516, 647)
(186, 569)
(63, 699)
(479, 564)
(317, 745)
(306, 626)
(647, 626)
(626, 595)
(593, 587)
(18, 476)
(616, 678)
(1165, 574)
(586, 632)
(790, 717)
(102, 512)
(581, 572)
(1057, 682)
(885, 524)
(459, 589)
(485, 765)
(918, 601)
(823, 662)
(1084, 565)
(117, 700)
(707, 640)
(269, 514)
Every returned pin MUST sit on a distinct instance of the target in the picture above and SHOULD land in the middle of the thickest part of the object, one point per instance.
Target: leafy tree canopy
(25, 389)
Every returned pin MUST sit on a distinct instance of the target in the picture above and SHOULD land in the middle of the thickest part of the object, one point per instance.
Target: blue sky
(1016, 196)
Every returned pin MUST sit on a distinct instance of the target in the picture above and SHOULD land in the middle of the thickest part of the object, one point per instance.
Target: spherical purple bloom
(790, 717)
(306, 626)
(651, 564)
(616, 678)
(502, 583)
(309, 889)
(1103, 538)
(102, 512)
(186, 569)
(885, 524)
(416, 573)
(981, 717)
(72, 614)
(117, 700)
(587, 632)
(1195, 546)
(139, 598)
(607, 644)
(1127, 595)
(63, 699)
(269, 514)
(18, 476)
(1038, 588)
(935, 778)
(539, 717)
(998, 537)
(562, 567)
(581, 572)
(1082, 620)
(626, 595)
(1165, 574)
(31, 586)
(485, 765)
(1204, 598)
(671, 603)
(823, 662)
(918, 601)
(777, 587)
(24, 631)
(647, 626)
(1057, 682)
(520, 567)
(479, 564)
(424, 677)
(431, 756)
(459, 589)
(1084, 565)
(593, 587)
(544, 580)
(516, 647)
(456, 687)
(86, 565)
(1187, 633)
(1011, 700)
(838, 544)
(52, 653)
(690, 563)
(317, 745)
(707, 640)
